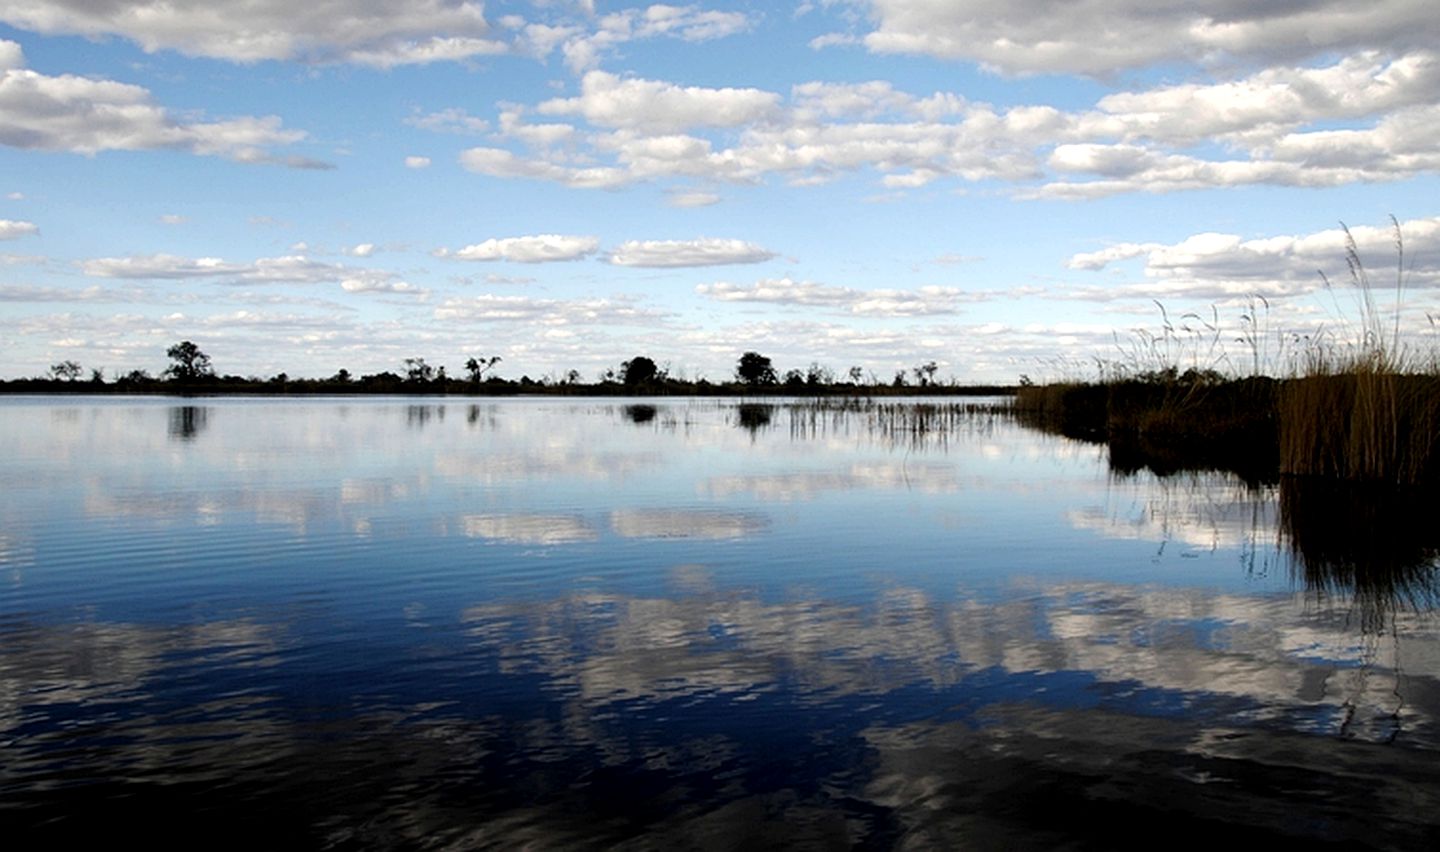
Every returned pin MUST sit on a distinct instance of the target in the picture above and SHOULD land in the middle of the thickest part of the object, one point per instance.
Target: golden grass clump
(1368, 414)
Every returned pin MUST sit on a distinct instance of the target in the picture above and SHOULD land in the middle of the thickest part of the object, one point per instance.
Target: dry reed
(1367, 413)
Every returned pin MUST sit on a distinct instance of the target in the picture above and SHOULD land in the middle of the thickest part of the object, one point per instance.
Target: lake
(562, 622)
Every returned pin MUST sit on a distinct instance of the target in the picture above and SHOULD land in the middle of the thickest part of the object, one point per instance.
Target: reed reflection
(1376, 543)
(1373, 546)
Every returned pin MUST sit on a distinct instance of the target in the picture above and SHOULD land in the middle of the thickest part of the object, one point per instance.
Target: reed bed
(1370, 412)
(914, 424)
(1367, 410)
(1362, 422)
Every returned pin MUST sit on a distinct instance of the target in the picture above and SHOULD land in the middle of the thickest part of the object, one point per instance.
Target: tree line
(192, 371)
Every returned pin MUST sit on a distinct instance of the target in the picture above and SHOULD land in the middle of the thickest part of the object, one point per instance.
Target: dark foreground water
(558, 623)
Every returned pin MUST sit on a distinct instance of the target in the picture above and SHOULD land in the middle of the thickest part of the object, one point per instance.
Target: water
(658, 624)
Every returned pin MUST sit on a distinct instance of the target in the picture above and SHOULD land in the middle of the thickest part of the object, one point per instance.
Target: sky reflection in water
(574, 621)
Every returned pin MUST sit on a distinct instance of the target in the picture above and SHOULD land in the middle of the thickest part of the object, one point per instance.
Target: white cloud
(157, 266)
(1267, 104)
(1273, 127)
(1100, 37)
(584, 51)
(378, 285)
(542, 248)
(417, 162)
(655, 106)
(11, 55)
(11, 229)
(371, 32)
(923, 301)
(692, 199)
(680, 253)
(289, 269)
(453, 120)
(1214, 265)
(547, 312)
(1104, 257)
(361, 250)
(497, 162)
(172, 219)
(426, 51)
(85, 116)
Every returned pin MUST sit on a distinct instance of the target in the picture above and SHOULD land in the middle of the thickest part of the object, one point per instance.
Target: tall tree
(187, 362)
(755, 369)
(637, 371)
(476, 367)
(67, 370)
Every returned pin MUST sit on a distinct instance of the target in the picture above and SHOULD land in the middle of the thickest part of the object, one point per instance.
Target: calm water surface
(677, 624)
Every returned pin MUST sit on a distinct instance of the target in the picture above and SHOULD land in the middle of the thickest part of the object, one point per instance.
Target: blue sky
(1000, 187)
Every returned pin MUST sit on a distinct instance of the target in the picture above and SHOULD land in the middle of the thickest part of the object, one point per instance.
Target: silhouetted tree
(856, 373)
(817, 375)
(925, 373)
(637, 371)
(67, 370)
(476, 367)
(416, 370)
(755, 369)
(341, 377)
(187, 362)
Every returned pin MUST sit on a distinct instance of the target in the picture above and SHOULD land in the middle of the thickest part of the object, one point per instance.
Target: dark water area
(646, 624)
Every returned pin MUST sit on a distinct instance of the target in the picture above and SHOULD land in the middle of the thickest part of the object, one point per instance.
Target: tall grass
(1370, 411)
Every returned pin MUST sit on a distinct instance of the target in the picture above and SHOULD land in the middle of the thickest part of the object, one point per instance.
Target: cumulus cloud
(369, 32)
(1101, 37)
(158, 266)
(11, 229)
(85, 116)
(1276, 126)
(655, 106)
(692, 198)
(1215, 265)
(584, 48)
(380, 285)
(547, 312)
(543, 248)
(417, 162)
(11, 55)
(679, 253)
(498, 162)
(453, 120)
(288, 269)
(923, 301)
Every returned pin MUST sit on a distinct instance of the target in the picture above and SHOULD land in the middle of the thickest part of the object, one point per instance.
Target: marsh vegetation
(1357, 404)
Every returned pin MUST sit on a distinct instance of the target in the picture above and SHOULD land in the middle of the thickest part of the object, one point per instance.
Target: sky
(1053, 188)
